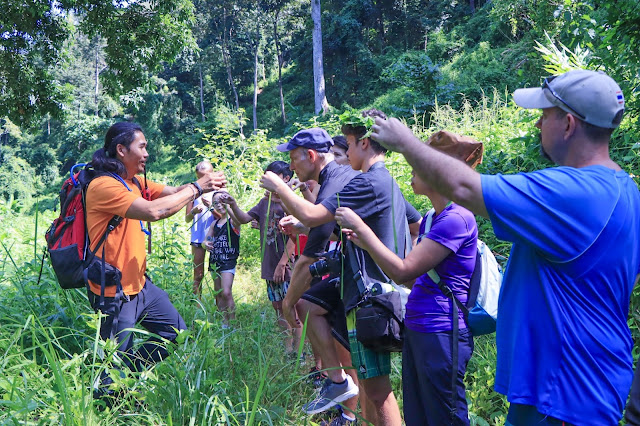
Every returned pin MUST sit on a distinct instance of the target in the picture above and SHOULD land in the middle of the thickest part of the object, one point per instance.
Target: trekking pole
(44, 253)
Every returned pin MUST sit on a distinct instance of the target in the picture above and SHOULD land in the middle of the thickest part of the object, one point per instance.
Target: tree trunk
(279, 54)
(201, 95)
(255, 78)
(227, 63)
(320, 98)
(380, 24)
(97, 81)
(472, 5)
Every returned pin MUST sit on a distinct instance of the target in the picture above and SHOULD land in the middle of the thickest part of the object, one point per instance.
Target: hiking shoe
(316, 377)
(336, 418)
(330, 395)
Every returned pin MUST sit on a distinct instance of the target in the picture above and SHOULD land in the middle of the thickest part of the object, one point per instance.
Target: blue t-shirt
(562, 336)
(428, 310)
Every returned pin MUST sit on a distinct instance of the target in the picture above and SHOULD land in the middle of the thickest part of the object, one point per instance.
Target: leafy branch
(354, 118)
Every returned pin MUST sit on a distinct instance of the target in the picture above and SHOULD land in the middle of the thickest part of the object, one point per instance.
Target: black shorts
(221, 266)
(326, 294)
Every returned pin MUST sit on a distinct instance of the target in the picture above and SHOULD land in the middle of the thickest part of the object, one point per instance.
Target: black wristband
(198, 188)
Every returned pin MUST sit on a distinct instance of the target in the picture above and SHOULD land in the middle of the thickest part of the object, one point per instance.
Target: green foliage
(139, 36)
(560, 59)
(354, 118)
(414, 78)
(31, 47)
(435, 64)
(471, 73)
(16, 179)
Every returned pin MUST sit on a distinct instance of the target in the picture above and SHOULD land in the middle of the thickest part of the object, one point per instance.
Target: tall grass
(50, 353)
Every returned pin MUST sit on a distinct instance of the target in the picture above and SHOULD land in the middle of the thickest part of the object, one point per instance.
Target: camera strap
(358, 275)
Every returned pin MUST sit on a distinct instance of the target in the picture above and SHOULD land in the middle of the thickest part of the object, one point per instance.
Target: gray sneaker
(330, 395)
(341, 421)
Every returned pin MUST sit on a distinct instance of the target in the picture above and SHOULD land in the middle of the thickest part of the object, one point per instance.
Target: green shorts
(368, 363)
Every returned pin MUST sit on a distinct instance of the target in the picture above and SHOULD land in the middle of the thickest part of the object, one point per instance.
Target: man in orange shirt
(131, 297)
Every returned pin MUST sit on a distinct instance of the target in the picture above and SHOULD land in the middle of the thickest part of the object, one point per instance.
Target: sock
(351, 419)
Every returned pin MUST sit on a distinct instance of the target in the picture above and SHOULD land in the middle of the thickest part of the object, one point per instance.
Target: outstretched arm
(239, 216)
(309, 214)
(234, 220)
(173, 199)
(424, 257)
(453, 178)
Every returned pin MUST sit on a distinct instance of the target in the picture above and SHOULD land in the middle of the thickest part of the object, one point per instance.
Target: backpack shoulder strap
(86, 176)
(474, 282)
(425, 227)
(136, 182)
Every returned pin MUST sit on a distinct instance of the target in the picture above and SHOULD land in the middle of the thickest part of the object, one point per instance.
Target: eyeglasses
(545, 85)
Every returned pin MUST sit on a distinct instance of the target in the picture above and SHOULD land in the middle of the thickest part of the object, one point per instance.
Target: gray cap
(592, 96)
(315, 138)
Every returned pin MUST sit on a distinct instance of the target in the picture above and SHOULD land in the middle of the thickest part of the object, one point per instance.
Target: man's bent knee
(304, 306)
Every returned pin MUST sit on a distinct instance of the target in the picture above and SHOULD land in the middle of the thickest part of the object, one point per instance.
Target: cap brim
(286, 147)
(532, 98)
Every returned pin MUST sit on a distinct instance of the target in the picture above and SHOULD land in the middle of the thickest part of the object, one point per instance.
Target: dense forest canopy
(185, 69)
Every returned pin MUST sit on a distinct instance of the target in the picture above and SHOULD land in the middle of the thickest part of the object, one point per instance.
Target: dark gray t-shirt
(332, 179)
(268, 217)
(377, 199)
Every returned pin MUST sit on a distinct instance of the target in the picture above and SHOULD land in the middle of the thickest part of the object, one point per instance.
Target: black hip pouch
(112, 275)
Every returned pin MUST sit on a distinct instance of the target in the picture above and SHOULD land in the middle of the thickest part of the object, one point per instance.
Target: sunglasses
(545, 85)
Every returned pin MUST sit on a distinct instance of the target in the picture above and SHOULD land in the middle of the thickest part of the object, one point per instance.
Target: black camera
(330, 263)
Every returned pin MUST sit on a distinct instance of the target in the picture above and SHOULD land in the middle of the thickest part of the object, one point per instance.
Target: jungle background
(227, 81)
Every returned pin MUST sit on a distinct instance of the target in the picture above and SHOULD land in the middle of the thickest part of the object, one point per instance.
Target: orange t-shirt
(126, 245)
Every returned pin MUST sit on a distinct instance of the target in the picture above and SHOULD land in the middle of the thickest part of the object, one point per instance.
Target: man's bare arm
(309, 214)
(449, 176)
(300, 282)
(172, 199)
